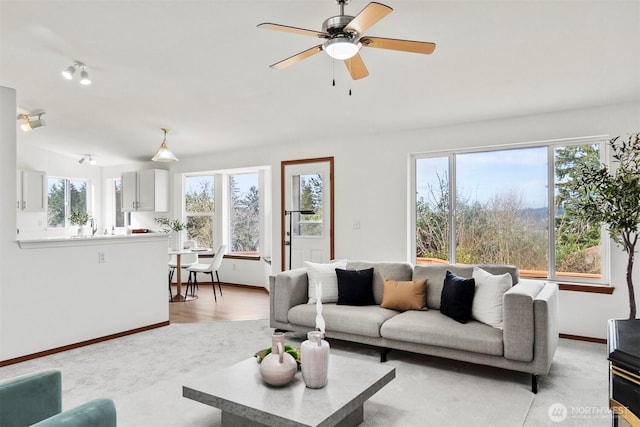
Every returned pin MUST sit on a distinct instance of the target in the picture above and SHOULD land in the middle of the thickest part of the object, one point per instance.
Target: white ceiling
(200, 68)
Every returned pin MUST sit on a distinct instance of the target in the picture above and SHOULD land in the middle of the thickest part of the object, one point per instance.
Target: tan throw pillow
(402, 296)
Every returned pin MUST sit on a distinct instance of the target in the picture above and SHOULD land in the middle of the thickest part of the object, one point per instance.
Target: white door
(307, 199)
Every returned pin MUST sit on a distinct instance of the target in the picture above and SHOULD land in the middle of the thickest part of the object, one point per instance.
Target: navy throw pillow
(457, 297)
(355, 287)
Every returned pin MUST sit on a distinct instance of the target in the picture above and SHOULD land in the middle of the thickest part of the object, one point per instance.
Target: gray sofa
(526, 343)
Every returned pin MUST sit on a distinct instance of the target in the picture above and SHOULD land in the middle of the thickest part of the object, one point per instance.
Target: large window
(244, 221)
(64, 197)
(224, 207)
(199, 208)
(506, 207)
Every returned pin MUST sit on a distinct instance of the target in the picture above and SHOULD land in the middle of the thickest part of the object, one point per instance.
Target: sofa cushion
(383, 271)
(435, 273)
(326, 275)
(355, 287)
(404, 295)
(349, 319)
(433, 328)
(487, 301)
(457, 297)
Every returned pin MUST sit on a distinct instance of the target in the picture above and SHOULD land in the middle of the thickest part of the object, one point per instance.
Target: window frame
(551, 145)
(221, 215)
(67, 198)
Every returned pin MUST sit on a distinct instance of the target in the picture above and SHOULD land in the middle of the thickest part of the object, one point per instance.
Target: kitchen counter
(98, 239)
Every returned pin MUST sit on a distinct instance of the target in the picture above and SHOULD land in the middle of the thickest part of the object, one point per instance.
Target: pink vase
(278, 367)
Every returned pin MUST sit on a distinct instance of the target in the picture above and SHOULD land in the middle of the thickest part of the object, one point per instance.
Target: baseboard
(581, 338)
(81, 344)
(262, 288)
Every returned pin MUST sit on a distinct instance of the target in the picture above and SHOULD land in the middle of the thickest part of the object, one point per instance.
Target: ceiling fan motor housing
(334, 26)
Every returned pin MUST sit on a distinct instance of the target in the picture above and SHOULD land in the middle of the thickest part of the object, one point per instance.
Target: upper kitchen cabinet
(145, 191)
(32, 191)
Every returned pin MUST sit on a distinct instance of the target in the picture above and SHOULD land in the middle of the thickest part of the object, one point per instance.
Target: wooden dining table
(179, 297)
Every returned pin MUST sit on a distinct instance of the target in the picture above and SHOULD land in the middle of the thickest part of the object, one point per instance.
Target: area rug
(144, 374)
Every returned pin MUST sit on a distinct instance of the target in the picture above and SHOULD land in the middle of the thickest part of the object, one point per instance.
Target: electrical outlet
(356, 224)
(101, 258)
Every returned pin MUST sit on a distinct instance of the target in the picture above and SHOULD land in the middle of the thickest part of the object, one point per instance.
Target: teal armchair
(36, 399)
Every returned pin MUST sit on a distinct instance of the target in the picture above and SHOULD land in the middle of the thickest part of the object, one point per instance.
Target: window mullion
(452, 208)
(551, 212)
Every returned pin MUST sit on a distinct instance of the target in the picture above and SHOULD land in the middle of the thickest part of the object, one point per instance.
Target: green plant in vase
(79, 218)
(171, 224)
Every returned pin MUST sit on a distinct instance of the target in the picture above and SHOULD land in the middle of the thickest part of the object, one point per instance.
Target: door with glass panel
(307, 212)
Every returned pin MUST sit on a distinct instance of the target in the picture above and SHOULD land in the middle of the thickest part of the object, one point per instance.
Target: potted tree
(176, 226)
(80, 219)
(611, 196)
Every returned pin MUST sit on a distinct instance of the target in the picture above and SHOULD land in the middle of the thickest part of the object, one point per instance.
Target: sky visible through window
(244, 181)
(480, 176)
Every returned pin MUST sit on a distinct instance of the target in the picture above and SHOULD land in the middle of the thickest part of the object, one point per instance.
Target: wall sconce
(164, 154)
(31, 123)
(87, 158)
(84, 75)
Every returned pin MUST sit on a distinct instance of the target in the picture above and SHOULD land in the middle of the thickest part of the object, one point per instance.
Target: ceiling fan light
(341, 48)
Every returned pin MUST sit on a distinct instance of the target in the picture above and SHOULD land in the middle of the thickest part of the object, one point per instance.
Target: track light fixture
(71, 69)
(31, 123)
(164, 154)
(87, 158)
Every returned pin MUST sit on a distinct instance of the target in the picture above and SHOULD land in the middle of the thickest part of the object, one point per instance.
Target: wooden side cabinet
(623, 339)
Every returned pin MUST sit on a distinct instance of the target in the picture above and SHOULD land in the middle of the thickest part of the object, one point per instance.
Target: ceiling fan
(344, 36)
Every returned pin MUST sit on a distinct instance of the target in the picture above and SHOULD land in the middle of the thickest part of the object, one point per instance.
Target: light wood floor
(236, 303)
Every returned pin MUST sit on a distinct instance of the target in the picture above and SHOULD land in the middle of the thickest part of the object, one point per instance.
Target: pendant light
(164, 154)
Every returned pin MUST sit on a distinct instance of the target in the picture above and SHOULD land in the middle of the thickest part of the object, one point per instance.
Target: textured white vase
(278, 367)
(314, 358)
(176, 240)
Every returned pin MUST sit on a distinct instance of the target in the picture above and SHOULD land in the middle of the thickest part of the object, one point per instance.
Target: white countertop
(98, 239)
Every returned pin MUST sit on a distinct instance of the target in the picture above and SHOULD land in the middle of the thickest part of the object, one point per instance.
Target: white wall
(60, 296)
(371, 176)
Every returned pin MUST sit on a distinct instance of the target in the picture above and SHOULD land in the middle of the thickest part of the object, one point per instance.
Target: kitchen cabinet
(32, 191)
(145, 191)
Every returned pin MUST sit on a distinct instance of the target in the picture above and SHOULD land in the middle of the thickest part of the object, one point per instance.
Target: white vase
(314, 358)
(176, 240)
(278, 367)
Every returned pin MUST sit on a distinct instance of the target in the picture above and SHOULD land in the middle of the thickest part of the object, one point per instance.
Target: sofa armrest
(30, 398)
(95, 413)
(519, 321)
(288, 289)
(546, 312)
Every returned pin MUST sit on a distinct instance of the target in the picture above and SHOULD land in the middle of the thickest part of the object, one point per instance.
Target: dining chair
(210, 268)
(186, 261)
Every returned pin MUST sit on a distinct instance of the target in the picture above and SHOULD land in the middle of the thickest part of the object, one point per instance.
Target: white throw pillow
(326, 275)
(487, 301)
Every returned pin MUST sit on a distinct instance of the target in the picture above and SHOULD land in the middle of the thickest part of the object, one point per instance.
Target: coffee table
(246, 400)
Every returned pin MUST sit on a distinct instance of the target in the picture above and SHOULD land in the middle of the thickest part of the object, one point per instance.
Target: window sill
(594, 289)
(245, 257)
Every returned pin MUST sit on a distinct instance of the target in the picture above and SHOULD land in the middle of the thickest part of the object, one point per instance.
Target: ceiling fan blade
(397, 44)
(368, 16)
(356, 67)
(296, 58)
(294, 30)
